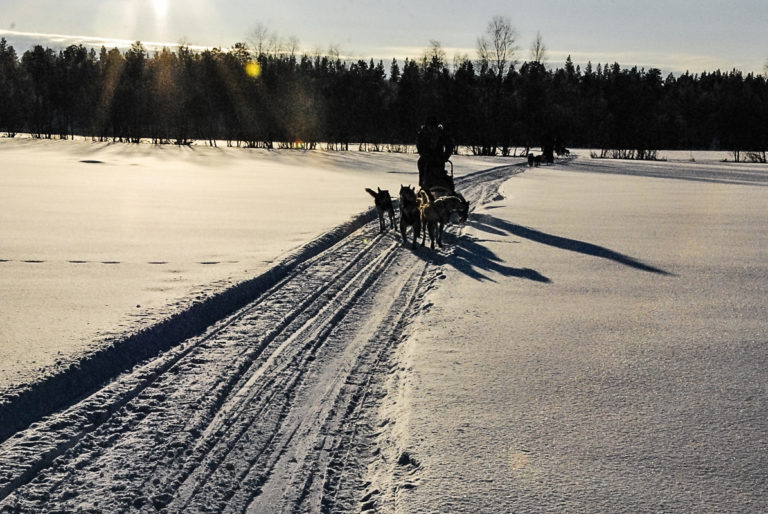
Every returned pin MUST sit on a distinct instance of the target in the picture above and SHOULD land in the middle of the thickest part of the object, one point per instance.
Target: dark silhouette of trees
(110, 68)
(40, 77)
(274, 97)
(77, 74)
(12, 99)
(496, 50)
(406, 111)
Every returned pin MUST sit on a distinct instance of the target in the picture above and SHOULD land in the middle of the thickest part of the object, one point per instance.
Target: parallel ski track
(205, 426)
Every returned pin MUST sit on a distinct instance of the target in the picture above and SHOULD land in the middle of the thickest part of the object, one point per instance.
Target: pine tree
(39, 66)
(12, 98)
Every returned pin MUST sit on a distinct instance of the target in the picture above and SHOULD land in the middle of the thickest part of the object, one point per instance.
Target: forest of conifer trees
(285, 100)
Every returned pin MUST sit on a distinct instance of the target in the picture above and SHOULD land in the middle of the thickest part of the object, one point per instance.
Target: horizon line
(685, 64)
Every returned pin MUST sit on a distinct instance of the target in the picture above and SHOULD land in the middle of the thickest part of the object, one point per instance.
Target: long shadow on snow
(498, 226)
(473, 259)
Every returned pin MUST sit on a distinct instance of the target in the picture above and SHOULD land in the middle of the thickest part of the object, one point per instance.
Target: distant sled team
(427, 212)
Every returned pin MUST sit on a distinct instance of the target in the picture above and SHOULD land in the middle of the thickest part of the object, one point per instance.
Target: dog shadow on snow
(497, 226)
(476, 261)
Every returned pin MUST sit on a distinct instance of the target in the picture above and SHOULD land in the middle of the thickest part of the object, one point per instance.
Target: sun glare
(253, 69)
(161, 7)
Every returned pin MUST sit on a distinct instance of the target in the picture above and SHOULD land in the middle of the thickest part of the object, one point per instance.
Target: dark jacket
(435, 148)
(434, 144)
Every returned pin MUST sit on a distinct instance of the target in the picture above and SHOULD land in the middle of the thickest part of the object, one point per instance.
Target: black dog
(383, 203)
(534, 160)
(409, 213)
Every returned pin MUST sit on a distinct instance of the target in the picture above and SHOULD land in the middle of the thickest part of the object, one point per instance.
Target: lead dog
(383, 203)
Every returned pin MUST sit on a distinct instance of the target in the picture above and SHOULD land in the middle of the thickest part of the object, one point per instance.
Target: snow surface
(598, 345)
(98, 239)
(592, 340)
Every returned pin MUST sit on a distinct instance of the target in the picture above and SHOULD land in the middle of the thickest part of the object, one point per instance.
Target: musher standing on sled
(435, 148)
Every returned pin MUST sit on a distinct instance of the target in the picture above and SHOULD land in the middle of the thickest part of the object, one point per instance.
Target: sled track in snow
(270, 408)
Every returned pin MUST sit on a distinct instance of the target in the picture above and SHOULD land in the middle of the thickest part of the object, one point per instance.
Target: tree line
(493, 105)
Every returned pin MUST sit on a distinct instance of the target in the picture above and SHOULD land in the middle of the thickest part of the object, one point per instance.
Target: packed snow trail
(272, 408)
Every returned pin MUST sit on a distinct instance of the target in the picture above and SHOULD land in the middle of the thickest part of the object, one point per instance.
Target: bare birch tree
(497, 48)
(334, 52)
(292, 44)
(259, 38)
(538, 50)
(434, 56)
(275, 45)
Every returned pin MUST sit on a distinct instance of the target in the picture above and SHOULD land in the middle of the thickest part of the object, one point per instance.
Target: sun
(161, 7)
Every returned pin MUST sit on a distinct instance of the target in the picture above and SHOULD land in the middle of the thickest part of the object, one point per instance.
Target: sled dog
(428, 216)
(383, 203)
(409, 213)
(534, 160)
(435, 214)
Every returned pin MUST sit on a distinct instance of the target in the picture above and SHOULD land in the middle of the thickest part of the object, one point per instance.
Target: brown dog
(435, 213)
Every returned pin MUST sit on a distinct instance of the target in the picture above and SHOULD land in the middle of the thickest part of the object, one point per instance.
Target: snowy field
(97, 240)
(599, 345)
(593, 340)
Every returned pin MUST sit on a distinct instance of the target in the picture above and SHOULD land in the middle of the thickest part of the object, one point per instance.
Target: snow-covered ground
(592, 340)
(97, 240)
(599, 344)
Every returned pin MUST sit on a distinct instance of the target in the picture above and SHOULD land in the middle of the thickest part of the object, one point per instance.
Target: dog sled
(440, 204)
(439, 181)
(431, 208)
(440, 184)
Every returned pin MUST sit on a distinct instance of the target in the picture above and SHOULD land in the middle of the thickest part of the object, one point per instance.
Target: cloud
(676, 63)
(23, 41)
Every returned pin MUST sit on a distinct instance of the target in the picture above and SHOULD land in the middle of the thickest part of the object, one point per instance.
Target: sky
(673, 35)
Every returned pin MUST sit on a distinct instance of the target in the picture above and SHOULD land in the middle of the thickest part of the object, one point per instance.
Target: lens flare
(253, 69)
